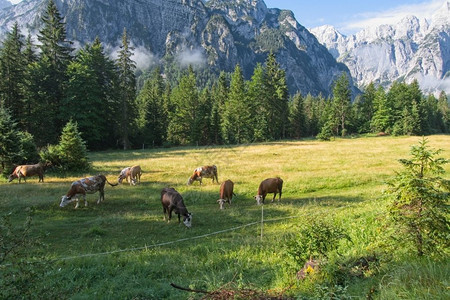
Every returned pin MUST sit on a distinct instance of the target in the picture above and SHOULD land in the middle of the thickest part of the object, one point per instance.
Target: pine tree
(151, 111)
(48, 88)
(185, 114)
(277, 93)
(258, 104)
(127, 90)
(235, 124)
(72, 149)
(419, 196)
(9, 137)
(444, 112)
(342, 102)
(382, 118)
(89, 96)
(219, 95)
(297, 117)
(12, 71)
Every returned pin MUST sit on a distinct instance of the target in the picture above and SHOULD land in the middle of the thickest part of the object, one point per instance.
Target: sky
(350, 16)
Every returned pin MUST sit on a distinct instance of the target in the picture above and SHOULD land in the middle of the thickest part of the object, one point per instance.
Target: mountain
(216, 33)
(412, 49)
(4, 3)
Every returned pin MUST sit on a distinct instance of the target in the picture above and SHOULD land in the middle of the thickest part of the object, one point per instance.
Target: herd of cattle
(171, 200)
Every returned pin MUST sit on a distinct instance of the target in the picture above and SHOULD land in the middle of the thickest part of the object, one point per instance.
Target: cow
(124, 174)
(269, 185)
(226, 193)
(24, 171)
(171, 200)
(204, 172)
(89, 185)
(135, 175)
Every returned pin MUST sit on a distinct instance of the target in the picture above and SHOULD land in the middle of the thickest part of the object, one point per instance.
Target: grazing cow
(269, 185)
(226, 193)
(89, 185)
(24, 171)
(135, 175)
(204, 172)
(124, 174)
(171, 200)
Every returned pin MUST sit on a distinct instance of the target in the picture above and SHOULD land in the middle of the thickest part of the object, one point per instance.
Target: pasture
(122, 248)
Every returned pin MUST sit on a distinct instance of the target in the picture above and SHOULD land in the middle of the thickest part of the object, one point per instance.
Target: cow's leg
(279, 197)
(170, 213)
(200, 179)
(164, 212)
(274, 195)
(101, 196)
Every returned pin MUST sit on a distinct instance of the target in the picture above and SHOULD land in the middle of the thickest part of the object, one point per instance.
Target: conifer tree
(72, 149)
(342, 103)
(9, 137)
(382, 118)
(258, 104)
(297, 117)
(277, 93)
(235, 124)
(89, 96)
(184, 117)
(444, 112)
(151, 111)
(219, 95)
(420, 196)
(12, 70)
(127, 90)
(48, 87)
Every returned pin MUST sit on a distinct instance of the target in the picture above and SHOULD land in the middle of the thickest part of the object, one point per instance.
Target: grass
(342, 180)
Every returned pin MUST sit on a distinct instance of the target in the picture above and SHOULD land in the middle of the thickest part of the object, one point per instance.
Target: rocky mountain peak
(4, 3)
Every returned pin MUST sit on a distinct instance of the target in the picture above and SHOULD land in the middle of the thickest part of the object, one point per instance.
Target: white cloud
(191, 57)
(422, 10)
(15, 1)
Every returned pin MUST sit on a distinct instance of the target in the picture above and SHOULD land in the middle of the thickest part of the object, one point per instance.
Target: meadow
(122, 248)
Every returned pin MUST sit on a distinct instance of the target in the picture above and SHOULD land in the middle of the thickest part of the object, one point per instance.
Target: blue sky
(352, 15)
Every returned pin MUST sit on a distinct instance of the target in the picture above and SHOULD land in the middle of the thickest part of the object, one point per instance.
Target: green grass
(342, 179)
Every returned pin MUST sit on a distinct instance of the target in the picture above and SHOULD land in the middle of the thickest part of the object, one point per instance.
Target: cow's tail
(112, 184)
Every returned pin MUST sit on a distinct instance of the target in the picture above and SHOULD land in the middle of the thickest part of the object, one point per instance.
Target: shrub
(419, 208)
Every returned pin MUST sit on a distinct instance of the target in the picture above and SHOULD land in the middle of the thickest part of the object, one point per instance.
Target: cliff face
(217, 33)
(411, 49)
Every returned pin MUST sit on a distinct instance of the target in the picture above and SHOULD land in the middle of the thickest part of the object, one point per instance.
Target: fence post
(262, 221)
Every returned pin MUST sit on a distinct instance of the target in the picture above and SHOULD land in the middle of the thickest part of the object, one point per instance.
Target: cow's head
(12, 177)
(221, 203)
(259, 199)
(190, 180)
(133, 181)
(65, 200)
(120, 179)
(187, 220)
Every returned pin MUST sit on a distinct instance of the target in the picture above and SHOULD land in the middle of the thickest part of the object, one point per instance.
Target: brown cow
(269, 185)
(135, 175)
(24, 171)
(171, 200)
(204, 172)
(89, 185)
(226, 193)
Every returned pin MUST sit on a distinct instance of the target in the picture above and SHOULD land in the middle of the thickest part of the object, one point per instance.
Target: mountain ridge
(412, 49)
(219, 34)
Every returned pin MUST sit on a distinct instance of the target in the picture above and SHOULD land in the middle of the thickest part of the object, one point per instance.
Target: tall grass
(342, 180)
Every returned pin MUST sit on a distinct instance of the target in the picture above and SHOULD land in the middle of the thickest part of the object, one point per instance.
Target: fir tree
(419, 196)
(297, 117)
(12, 70)
(342, 103)
(72, 149)
(9, 137)
(277, 93)
(235, 124)
(127, 90)
(48, 89)
(258, 104)
(184, 117)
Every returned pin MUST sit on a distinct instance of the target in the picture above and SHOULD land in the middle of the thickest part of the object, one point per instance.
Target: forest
(46, 84)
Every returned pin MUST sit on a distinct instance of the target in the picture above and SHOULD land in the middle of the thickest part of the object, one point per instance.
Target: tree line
(46, 84)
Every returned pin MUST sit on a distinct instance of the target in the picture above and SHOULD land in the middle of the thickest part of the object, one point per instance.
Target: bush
(71, 152)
